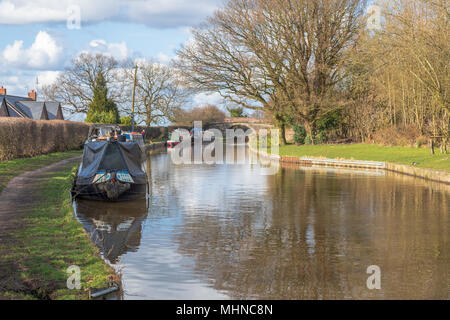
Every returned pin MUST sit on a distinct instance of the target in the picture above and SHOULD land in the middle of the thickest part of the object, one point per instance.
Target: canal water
(233, 232)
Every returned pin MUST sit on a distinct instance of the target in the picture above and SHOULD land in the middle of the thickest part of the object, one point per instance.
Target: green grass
(372, 152)
(12, 168)
(51, 241)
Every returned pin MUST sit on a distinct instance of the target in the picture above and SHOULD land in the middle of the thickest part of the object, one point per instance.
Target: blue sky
(36, 41)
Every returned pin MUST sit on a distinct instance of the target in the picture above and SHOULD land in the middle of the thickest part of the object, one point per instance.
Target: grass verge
(421, 157)
(10, 169)
(50, 241)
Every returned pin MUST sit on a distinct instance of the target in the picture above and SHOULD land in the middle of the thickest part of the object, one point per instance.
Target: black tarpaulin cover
(111, 156)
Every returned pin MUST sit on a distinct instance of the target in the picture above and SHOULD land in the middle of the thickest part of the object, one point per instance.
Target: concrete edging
(427, 174)
(422, 173)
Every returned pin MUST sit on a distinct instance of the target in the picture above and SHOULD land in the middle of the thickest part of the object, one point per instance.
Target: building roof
(32, 109)
(28, 108)
(52, 109)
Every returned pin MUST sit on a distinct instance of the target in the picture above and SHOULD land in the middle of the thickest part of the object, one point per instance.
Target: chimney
(2, 91)
(32, 95)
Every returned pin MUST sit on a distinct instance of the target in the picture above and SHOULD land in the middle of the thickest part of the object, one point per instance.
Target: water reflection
(228, 231)
(116, 228)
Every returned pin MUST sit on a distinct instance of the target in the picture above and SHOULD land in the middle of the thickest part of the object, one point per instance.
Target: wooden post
(432, 145)
(132, 102)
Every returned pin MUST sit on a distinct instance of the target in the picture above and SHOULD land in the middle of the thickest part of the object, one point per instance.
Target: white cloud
(19, 82)
(118, 51)
(19, 12)
(44, 53)
(202, 99)
(47, 77)
(155, 13)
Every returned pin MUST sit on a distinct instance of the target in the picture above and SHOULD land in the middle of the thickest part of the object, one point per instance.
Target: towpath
(20, 197)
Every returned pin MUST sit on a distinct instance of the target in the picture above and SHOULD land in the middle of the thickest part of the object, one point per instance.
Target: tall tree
(159, 91)
(102, 109)
(74, 88)
(285, 55)
(399, 75)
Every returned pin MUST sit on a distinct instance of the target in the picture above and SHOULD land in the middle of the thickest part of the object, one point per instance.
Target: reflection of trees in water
(315, 235)
(115, 228)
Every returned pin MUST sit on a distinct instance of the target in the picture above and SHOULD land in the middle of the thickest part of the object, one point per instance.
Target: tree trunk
(283, 141)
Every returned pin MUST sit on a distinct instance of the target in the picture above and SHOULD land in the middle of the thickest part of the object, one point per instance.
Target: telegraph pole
(132, 102)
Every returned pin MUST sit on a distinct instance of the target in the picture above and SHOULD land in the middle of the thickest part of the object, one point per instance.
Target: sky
(39, 38)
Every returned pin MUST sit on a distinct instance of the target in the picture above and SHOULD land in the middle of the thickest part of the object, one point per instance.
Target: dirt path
(20, 195)
(18, 199)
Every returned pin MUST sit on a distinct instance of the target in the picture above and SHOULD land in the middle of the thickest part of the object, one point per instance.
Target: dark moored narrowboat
(113, 166)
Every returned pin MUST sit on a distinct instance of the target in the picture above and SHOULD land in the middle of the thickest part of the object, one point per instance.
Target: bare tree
(75, 86)
(208, 114)
(399, 75)
(159, 91)
(285, 55)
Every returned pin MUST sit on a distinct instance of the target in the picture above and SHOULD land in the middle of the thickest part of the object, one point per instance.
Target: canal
(231, 232)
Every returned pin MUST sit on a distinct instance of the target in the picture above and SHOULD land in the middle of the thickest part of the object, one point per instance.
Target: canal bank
(40, 239)
(413, 162)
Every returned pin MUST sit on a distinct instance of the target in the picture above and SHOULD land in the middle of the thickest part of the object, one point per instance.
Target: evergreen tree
(102, 109)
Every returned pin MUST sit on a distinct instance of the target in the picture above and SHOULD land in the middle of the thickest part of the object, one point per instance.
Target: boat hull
(95, 192)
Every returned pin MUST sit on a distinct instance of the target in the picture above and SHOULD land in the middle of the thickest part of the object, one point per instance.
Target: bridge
(241, 123)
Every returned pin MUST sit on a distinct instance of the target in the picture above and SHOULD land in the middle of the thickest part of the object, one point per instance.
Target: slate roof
(27, 108)
(52, 109)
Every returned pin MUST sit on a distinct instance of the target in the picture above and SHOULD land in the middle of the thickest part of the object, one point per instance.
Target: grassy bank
(12, 168)
(47, 241)
(421, 157)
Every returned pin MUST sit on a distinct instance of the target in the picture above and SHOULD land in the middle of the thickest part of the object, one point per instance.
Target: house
(21, 107)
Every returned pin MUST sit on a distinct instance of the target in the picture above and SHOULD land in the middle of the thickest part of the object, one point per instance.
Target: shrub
(125, 121)
(404, 136)
(299, 134)
(320, 138)
(21, 138)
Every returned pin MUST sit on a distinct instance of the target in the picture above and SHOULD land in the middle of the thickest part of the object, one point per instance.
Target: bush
(404, 136)
(299, 134)
(320, 138)
(125, 121)
(102, 117)
(22, 138)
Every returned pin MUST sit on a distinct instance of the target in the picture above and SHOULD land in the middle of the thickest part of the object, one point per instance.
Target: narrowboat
(176, 137)
(113, 166)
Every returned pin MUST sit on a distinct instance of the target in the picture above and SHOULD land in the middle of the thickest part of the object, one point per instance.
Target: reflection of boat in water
(114, 227)
(113, 166)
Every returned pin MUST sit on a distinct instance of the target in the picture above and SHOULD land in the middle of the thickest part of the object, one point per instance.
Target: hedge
(23, 138)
